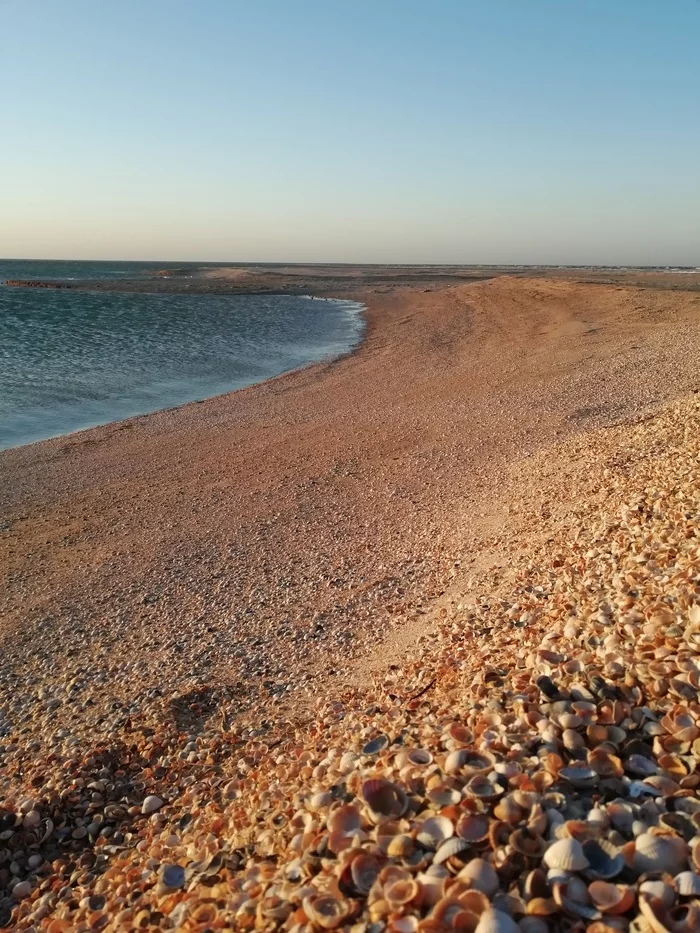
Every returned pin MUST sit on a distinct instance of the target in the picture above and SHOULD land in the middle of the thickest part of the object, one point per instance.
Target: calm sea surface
(73, 359)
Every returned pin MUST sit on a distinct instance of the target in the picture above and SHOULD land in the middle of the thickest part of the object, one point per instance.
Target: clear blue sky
(351, 130)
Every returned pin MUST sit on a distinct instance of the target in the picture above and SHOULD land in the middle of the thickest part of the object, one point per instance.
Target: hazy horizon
(464, 134)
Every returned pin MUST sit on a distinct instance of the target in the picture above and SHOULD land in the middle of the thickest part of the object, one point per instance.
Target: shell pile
(532, 768)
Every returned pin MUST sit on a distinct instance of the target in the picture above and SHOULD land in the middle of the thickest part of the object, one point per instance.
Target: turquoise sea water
(73, 359)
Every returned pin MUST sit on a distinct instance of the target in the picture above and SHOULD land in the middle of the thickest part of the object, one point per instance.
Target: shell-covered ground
(530, 765)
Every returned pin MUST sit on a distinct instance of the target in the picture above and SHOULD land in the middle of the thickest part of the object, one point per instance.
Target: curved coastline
(356, 308)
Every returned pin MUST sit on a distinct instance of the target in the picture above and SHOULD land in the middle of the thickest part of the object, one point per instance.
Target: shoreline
(388, 463)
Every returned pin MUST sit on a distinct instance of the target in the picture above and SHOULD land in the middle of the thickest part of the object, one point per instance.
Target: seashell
(364, 869)
(611, 898)
(495, 921)
(566, 854)
(598, 818)
(535, 884)
(442, 795)
(542, 907)
(325, 910)
(401, 846)
(660, 852)
(434, 831)
(419, 757)
(459, 734)
(571, 906)
(450, 848)
(151, 804)
(660, 890)
(345, 819)
(580, 775)
(605, 860)
(376, 745)
(474, 827)
(480, 786)
(384, 799)
(687, 884)
(481, 875)
(474, 901)
(527, 843)
(622, 814)
(640, 766)
(401, 892)
(679, 823)
(508, 810)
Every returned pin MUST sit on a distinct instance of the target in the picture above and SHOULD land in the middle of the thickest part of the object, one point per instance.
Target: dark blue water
(73, 359)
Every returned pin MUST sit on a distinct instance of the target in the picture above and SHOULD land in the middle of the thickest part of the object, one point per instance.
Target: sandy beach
(260, 541)
(227, 568)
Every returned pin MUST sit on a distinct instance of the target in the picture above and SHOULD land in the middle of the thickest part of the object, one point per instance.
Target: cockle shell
(450, 848)
(481, 875)
(611, 898)
(385, 800)
(566, 854)
(687, 884)
(660, 852)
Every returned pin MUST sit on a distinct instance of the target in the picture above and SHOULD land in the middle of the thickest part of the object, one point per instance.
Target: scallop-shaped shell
(688, 884)
(450, 848)
(622, 815)
(611, 898)
(474, 827)
(660, 890)
(660, 852)
(434, 831)
(566, 854)
(345, 819)
(495, 921)
(481, 875)
(384, 799)
(400, 846)
(364, 869)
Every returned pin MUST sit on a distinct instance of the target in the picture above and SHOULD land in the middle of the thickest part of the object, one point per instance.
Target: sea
(72, 359)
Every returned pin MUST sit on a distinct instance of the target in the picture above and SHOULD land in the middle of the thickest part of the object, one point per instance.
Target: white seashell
(151, 804)
(660, 890)
(495, 921)
(688, 884)
(450, 847)
(660, 853)
(566, 854)
(435, 829)
(599, 818)
(481, 875)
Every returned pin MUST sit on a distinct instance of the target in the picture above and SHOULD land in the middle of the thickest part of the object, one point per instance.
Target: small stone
(22, 889)
(151, 804)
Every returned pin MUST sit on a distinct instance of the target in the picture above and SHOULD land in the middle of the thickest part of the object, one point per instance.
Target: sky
(455, 131)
